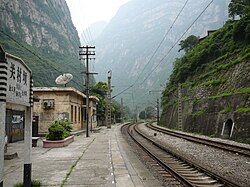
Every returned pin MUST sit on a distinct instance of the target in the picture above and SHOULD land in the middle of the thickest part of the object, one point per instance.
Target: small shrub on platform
(59, 130)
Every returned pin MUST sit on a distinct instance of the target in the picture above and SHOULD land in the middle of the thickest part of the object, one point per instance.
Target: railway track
(220, 145)
(173, 169)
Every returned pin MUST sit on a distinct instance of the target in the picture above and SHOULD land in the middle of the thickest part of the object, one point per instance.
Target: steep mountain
(43, 35)
(127, 44)
(209, 88)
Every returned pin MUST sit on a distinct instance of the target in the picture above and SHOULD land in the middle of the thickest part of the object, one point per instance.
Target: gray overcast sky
(86, 12)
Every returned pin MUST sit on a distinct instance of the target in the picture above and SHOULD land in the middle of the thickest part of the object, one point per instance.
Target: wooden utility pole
(86, 52)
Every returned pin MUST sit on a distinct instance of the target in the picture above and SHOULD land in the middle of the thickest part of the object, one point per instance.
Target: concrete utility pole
(108, 108)
(157, 105)
(86, 52)
(122, 115)
(179, 108)
(27, 147)
(136, 113)
(158, 112)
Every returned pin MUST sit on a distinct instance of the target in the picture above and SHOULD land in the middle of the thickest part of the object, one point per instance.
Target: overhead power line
(163, 39)
(177, 41)
(36, 55)
(154, 53)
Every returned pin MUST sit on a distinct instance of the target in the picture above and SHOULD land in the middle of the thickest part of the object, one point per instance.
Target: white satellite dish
(64, 79)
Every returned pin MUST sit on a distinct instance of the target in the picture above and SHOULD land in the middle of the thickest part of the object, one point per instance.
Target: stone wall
(208, 116)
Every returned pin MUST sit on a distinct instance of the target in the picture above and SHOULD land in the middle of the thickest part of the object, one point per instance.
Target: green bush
(65, 124)
(227, 109)
(59, 130)
(34, 183)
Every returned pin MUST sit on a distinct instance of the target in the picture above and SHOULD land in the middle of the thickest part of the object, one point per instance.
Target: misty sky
(86, 12)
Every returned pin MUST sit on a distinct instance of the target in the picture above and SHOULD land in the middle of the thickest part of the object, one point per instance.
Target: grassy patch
(241, 91)
(222, 95)
(34, 183)
(243, 110)
(244, 90)
(199, 112)
(211, 82)
(226, 110)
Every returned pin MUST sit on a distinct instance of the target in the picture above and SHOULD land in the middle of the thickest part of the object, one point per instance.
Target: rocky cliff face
(45, 28)
(209, 88)
(41, 24)
(130, 39)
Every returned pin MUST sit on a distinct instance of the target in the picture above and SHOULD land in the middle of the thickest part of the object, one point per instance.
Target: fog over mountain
(128, 42)
(92, 32)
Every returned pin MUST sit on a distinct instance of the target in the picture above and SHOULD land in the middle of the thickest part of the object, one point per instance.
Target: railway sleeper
(181, 169)
(177, 166)
(193, 178)
(192, 174)
(166, 174)
(205, 182)
(214, 185)
(170, 162)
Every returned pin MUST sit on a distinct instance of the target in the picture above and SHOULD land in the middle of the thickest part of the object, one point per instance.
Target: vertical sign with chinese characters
(18, 81)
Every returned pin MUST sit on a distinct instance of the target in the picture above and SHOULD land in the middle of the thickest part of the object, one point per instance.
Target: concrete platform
(103, 159)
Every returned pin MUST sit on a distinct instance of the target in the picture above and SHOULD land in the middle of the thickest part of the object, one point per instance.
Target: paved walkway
(103, 159)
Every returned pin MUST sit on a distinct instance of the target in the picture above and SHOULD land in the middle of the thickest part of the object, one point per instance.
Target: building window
(79, 115)
(75, 114)
(85, 114)
(72, 113)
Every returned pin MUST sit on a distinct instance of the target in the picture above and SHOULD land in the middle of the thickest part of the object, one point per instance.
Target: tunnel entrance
(227, 129)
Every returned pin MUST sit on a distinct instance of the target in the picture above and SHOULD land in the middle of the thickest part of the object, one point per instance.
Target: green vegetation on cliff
(209, 61)
(45, 66)
(43, 35)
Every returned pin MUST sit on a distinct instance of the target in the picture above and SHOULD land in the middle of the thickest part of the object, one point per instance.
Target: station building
(61, 103)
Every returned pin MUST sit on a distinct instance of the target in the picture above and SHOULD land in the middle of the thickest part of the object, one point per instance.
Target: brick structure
(60, 103)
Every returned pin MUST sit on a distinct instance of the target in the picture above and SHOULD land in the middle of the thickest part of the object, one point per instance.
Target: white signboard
(18, 81)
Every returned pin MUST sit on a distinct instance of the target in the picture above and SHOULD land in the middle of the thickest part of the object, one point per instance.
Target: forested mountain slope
(215, 85)
(43, 35)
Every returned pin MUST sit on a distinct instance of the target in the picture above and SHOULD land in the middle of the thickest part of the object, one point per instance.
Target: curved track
(221, 145)
(172, 168)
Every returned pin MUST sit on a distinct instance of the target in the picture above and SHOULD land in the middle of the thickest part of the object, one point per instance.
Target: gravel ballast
(234, 167)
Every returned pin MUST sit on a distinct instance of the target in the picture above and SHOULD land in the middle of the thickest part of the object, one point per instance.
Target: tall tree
(238, 8)
(100, 90)
(189, 43)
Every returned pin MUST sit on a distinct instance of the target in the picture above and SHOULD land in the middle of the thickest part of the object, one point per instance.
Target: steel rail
(221, 145)
(172, 172)
(200, 168)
